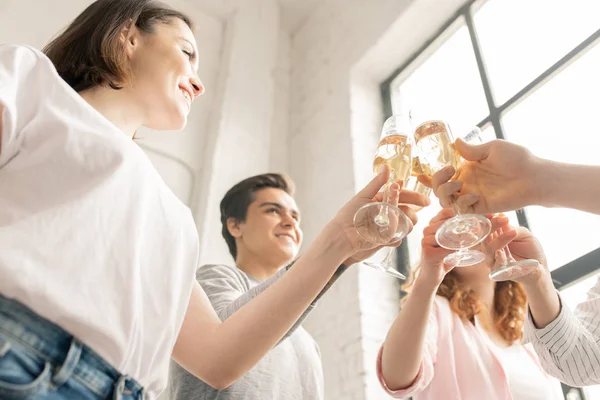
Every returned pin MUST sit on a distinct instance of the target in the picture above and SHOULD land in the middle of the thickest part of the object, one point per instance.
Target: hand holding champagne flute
(435, 146)
(413, 182)
(384, 223)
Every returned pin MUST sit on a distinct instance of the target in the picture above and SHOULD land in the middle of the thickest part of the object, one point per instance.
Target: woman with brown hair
(97, 255)
(458, 333)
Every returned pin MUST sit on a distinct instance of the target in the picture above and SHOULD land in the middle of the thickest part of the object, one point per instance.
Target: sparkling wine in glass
(412, 184)
(435, 146)
(382, 222)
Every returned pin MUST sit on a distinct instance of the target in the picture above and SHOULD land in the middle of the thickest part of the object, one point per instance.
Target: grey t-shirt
(290, 371)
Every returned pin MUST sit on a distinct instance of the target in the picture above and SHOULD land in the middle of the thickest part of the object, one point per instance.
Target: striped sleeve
(569, 347)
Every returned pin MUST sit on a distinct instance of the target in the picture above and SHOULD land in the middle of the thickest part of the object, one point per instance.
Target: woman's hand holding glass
(383, 222)
(516, 255)
(435, 146)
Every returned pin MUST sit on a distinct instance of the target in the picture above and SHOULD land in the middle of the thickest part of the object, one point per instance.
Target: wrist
(542, 283)
(544, 302)
(426, 284)
(544, 180)
(333, 243)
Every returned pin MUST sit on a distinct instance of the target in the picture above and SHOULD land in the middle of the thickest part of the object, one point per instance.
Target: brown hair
(236, 201)
(510, 301)
(89, 52)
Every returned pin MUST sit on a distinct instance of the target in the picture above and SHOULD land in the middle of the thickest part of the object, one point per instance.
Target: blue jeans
(39, 360)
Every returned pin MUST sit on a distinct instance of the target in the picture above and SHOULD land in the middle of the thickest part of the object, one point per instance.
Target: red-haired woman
(458, 334)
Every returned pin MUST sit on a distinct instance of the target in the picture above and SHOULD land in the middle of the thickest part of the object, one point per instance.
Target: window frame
(574, 271)
(565, 275)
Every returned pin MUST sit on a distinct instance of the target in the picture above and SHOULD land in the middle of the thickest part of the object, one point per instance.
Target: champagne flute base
(366, 223)
(464, 258)
(463, 231)
(385, 268)
(514, 270)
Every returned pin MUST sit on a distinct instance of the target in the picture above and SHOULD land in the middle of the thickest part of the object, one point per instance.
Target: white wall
(339, 58)
(180, 156)
(248, 132)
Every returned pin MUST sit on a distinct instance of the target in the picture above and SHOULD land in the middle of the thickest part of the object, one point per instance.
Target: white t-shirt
(91, 237)
(526, 378)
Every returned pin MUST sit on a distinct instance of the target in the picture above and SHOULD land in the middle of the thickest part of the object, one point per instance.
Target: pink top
(459, 362)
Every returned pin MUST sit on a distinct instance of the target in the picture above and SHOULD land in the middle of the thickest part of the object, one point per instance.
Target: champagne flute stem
(455, 207)
(386, 192)
(387, 261)
(382, 218)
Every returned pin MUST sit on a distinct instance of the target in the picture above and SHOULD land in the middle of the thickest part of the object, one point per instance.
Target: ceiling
(293, 12)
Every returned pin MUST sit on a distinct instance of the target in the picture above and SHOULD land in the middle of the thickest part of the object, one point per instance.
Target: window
(528, 72)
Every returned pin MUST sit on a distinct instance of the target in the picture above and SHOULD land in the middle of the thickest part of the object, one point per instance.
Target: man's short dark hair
(237, 200)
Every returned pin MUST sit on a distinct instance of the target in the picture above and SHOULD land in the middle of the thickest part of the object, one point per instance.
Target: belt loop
(66, 369)
(122, 392)
(119, 387)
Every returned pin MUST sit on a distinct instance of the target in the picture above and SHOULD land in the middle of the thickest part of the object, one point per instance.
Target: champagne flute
(381, 222)
(412, 184)
(513, 269)
(413, 181)
(435, 145)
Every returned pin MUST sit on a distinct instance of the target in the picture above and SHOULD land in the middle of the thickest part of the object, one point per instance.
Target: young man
(261, 225)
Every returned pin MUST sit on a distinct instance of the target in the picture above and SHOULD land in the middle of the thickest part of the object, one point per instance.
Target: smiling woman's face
(164, 76)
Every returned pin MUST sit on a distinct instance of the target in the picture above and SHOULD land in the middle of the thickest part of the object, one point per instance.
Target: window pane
(521, 39)
(558, 122)
(592, 392)
(573, 295)
(446, 86)
(488, 134)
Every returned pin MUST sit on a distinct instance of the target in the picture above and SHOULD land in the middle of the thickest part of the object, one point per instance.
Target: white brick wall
(249, 130)
(339, 57)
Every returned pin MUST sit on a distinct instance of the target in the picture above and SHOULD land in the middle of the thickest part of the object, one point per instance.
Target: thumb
(471, 152)
(449, 265)
(376, 183)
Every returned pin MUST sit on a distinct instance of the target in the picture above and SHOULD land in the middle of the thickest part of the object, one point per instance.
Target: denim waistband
(67, 353)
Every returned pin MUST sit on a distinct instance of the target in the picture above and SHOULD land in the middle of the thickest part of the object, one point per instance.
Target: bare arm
(227, 292)
(219, 353)
(403, 348)
(542, 298)
(506, 177)
(569, 185)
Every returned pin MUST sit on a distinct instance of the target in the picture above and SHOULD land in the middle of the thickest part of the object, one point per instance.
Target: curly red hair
(510, 304)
